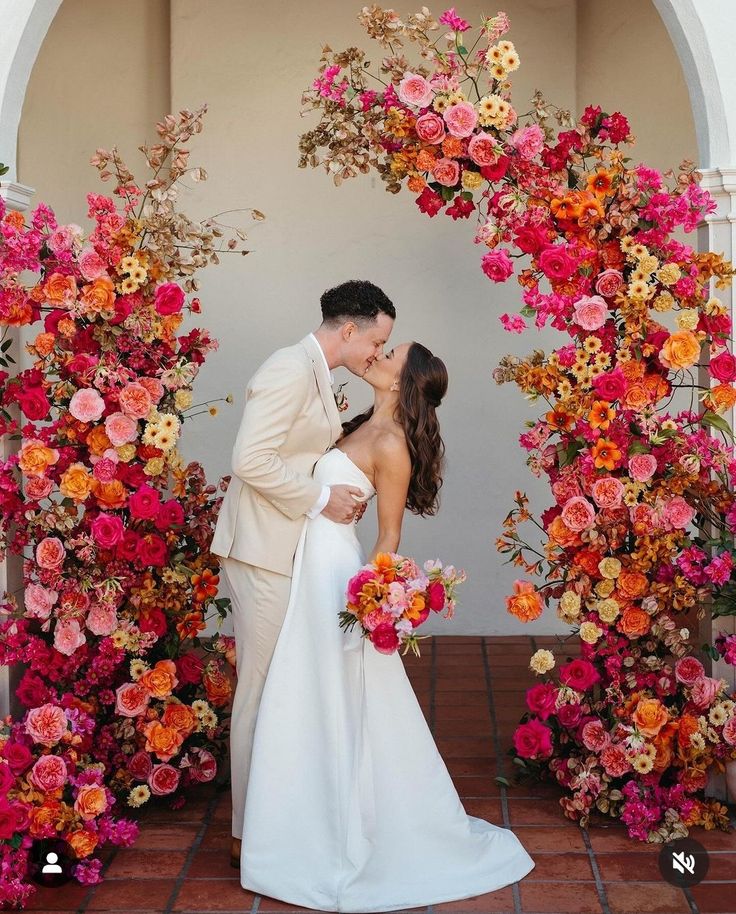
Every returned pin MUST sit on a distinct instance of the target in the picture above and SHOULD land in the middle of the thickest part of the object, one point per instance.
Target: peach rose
(38, 487)
(704, 691)
(430, 128)
(154, 387)
(525, 603)
(99, 296)
(36, 457)
(91, 801)
(121, 428)
(49, 773)
(109, 494)
(729, 731)
(634, 622)
(446, 172)
(102, 620)
(415, 90)
(68, 636)
(161, 680)
(591, 312)
(50, 552)
(60, 290)
(578, 514)
(613, 759)
(681, 350)
(91, 265)
(76, 483)
(87, 405)
(561, 534)
(650, 716)
(595, 736)
(39, 601)
(135, 401)
(82, 842)
(461, 119)
(46, 724)
(131, 699)
(483, 149)
(609, 282)
(165, 742)
(678, 513)
(181, 717)
(98, 441)
(607, 492)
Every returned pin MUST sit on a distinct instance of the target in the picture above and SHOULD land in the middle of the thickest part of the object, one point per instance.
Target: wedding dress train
(350, 806)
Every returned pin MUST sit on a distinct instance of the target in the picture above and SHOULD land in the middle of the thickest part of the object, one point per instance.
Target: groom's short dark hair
(355, 300)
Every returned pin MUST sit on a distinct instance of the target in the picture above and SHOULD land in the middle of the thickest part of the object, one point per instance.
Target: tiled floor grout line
(500, 761)
(179, 881)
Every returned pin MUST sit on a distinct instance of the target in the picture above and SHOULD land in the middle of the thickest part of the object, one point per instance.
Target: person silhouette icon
(51, 866)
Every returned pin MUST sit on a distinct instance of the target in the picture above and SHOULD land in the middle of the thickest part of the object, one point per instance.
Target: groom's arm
(275, 397)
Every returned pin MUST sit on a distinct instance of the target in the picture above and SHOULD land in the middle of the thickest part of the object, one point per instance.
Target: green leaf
(461, 49)
(503, 781)
(715, 421)
(447, 193)
(528, 311)
(467, 195)
(638, 447)
(4, 169)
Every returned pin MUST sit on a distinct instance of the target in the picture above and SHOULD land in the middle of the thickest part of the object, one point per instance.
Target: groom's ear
(348, 329)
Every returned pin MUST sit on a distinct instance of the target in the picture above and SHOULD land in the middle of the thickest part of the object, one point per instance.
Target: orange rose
(217, 686)
(650, 716)
(637, 396)
(109, 494)
(681, 350)
(663, 758)
(60, 289)
(91, 801)
(35, 457)
(688, 726)
(634, 622)
(720, 398)
(44, 343)
(560, 534)
(160, 681)
(97, 440)
(588, 560)
(526, 603)
(82, 842)
(76, 482)
(632, 584)
(41, 817)
(180, 717)
(164, 741)
(99, 296)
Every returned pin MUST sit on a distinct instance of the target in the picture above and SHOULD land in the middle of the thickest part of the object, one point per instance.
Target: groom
(290, 419)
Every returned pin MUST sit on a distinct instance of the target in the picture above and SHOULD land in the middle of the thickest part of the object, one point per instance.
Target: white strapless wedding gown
(350, 806)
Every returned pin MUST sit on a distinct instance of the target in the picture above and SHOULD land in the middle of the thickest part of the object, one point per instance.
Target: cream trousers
(259, 602)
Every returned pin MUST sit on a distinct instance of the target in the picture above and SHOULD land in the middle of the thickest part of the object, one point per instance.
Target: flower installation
(631, 727)
(391, 597)
(126, 702)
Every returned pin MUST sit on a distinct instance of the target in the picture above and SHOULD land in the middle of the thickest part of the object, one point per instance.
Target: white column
(16, 197)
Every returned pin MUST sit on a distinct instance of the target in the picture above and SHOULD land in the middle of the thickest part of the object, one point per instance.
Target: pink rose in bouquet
(169, 298)
(49, 773)
(446, 172)
(415, 90)
(391, 597)
(46, 724)
(461, 119)
(483, 149)
(497, 265)
(430, 128)
(591, 312)
(533, 740)
(642, 466)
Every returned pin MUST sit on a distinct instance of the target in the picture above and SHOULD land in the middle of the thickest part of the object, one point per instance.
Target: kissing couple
(341, 800)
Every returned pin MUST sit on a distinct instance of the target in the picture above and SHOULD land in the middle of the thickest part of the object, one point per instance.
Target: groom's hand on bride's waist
(342, 506)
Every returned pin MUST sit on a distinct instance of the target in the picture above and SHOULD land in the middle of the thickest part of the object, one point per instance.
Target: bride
(350, 806)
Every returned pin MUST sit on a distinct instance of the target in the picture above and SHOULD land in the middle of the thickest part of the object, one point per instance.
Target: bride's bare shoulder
(390, 449)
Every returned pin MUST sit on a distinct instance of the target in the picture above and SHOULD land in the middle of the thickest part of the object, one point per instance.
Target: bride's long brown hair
(422, 385)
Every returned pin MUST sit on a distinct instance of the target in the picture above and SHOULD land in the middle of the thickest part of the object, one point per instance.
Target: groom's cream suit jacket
(290, 420)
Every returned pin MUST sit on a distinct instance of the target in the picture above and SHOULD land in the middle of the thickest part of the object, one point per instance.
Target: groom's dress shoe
(235, 853)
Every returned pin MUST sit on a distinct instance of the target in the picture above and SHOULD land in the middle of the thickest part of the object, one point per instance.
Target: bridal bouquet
(391, 597)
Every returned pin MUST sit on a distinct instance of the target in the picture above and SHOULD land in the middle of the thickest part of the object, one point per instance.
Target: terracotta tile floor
(471, 690)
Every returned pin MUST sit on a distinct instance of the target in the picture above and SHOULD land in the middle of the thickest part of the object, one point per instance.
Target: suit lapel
(323, 385)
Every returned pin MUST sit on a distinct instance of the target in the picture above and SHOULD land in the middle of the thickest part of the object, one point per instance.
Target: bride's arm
(392, 474)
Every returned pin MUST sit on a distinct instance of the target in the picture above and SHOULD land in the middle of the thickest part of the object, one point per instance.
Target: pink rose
(613, 759)
(688, 670)
(729, 731)
(723, 367)
(678, 513)
(540, 699)
(384, 638)
(49, 773)
(38, 487)
(556, 263)
(564, 488)
(430, 128)
(483, 149)
(446, 172)
(170, 513)
(46, 725)
(140, 765)
(579, 674)
(595, 736)
(107, 530)
(68, 637)
(461, 119)
(591, 312)
(33, 402)
(528, 141)
(121, 428)
(569, 715)
(151, 550)
(50, 552)
(154, 387)
(642, 518)
(91, 265)
(131, 699)
(102, 620)
(205, 766)
(87, 405)
(169, 298)
(578, 514)
(610, 385)
(704, 691)
(163, 779)
(39, 601)
(530, 238)
(607, 492)
(642, 466)
(497, 265)
(144, 503)
(609, 282)
(189, 668)
(533, 740)
(415, 90)
(134, 400)
(18, 757)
